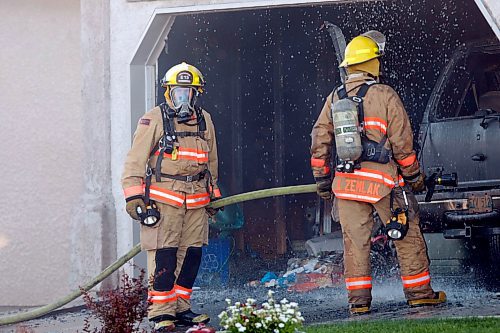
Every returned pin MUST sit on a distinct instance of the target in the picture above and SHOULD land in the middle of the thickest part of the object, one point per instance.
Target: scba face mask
(183, 102)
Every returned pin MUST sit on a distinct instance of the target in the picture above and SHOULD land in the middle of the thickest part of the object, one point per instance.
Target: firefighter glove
(213, 211)
(132, 207)
(416, 182)
(324, 187)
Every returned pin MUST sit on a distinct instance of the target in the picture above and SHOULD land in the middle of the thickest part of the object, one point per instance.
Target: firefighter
(169, 178)
(376, 169)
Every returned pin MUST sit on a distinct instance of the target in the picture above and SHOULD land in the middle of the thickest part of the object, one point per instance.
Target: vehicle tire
(487, 261)
(494, 260)
(479, 262)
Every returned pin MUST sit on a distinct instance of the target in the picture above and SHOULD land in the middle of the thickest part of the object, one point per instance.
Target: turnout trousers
(356, 220)
(174, 251)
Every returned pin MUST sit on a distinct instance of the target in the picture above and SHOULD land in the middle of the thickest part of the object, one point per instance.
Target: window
(470, 79)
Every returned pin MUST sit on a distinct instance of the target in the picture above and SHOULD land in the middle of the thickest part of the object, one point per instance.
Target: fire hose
(43, 310)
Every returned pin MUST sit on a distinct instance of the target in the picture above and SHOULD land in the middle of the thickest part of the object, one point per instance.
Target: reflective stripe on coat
(385, 116)
(192, 156)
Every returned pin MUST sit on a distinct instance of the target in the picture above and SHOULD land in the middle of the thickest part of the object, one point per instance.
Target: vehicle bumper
(448, 213)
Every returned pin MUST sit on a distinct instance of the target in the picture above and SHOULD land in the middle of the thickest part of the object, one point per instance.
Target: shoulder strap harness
(166, 144)
(372, 151)
(358, 99)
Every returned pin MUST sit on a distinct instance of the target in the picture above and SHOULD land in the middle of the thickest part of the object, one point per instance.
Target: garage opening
(268, 72)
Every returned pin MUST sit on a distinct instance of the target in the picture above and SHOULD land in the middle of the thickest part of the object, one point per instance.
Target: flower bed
(269, 317)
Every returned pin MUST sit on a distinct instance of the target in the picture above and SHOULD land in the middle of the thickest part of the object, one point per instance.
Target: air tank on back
(347, 136)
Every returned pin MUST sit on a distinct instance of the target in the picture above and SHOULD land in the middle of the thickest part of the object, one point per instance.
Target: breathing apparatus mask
(397, 226)
(183, 99)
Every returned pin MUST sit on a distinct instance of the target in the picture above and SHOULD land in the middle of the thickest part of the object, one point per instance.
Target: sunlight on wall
(4, 241)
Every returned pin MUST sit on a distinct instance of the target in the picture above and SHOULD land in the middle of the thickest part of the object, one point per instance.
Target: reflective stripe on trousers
(162, 296)
(421, 279)
(182, 292)
(364, 282)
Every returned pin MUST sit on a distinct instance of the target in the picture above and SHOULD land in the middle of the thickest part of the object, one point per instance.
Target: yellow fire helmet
(359, 50)
(184, 75)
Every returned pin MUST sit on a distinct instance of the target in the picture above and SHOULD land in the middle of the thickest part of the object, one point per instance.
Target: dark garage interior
(268, 72)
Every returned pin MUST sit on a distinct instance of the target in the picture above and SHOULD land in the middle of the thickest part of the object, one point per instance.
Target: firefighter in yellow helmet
(376, 169)
(169, 178)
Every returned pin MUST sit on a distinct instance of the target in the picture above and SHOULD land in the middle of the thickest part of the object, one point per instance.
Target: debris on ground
(305, 274)
(322, 266)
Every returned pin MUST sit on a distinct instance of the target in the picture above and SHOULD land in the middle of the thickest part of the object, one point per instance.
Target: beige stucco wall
(491, 11)
(41, 144)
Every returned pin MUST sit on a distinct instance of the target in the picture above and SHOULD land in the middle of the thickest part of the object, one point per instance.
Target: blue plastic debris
(268, 277)
(214, 267)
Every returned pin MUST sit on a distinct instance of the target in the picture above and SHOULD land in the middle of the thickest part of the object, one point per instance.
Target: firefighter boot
(359, 309)
(439, 298)
(166, 324)
(189, 318)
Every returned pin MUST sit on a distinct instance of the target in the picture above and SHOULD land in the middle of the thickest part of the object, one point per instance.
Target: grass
(463, 325)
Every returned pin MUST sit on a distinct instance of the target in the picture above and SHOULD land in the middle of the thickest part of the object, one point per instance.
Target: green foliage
(462, 325)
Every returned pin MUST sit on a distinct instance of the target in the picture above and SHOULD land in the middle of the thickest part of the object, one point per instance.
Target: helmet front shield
(378, 38)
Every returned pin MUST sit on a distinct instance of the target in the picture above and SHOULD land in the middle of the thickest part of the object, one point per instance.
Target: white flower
(283, 319)
(272, 316)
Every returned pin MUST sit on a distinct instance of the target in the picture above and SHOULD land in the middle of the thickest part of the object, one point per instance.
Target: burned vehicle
(460, 139)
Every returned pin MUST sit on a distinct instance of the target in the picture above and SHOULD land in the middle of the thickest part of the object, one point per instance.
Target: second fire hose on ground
(43, 310)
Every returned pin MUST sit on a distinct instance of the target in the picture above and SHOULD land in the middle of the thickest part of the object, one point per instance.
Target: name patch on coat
(144, 121)
(360, 187)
